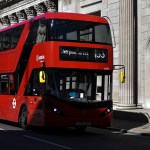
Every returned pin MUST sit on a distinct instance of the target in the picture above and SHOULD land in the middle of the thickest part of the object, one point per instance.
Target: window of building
(66, 2)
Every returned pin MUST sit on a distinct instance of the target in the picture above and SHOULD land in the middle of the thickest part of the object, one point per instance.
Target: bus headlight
(54, 109)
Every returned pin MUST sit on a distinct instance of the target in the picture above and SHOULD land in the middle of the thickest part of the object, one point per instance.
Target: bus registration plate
(83, 123)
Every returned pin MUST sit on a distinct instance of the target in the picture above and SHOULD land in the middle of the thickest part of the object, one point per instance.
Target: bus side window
(12, 84)
(16, 35)
(7, 36)
(31, 40)
(4, 84)
(7, 84)
(9, 39)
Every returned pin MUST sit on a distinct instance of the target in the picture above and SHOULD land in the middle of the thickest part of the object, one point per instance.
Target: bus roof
(61, 15)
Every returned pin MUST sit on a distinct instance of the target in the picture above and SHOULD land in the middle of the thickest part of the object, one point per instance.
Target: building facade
(130, 20)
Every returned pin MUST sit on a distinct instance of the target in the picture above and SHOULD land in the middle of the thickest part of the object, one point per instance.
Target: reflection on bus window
(41, 31)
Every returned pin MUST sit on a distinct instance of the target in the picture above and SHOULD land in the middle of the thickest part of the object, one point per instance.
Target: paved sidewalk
(132, 121)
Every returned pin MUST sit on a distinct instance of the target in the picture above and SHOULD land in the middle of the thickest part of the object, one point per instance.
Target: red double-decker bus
(56, 70)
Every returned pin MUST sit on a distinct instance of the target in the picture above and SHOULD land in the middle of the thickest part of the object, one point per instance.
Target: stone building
(131, 25)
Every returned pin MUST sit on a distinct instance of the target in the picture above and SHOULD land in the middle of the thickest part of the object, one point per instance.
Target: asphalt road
(15, 138)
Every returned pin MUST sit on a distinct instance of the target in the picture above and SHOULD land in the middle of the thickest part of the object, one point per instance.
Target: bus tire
(23, 117)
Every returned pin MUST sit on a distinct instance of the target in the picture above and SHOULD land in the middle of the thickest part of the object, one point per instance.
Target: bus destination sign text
(83, 54)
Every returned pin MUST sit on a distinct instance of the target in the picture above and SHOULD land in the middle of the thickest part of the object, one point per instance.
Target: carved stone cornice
(24, 4)
(40, 8)
(26, 9)
(30, 12)
(13, 18)
(21, 15)
(51, 5)
(5, 21)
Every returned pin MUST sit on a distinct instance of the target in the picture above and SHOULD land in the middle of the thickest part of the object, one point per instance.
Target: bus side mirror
(42, 76)
(122, 77)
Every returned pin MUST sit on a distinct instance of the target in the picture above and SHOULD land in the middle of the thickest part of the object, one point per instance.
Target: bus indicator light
(14, 103)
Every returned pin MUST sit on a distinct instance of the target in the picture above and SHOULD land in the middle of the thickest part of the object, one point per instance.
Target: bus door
(8, 102)
(35, 97)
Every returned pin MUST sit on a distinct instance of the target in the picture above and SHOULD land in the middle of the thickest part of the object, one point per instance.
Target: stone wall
(144, 52)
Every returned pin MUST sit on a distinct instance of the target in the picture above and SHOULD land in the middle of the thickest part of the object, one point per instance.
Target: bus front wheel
(23, 117)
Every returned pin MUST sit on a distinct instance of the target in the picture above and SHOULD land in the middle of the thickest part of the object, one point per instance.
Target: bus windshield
(79, 31)
(77, 85)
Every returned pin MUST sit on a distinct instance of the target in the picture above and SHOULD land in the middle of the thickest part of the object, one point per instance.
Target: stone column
(128, 54)
(60, 5)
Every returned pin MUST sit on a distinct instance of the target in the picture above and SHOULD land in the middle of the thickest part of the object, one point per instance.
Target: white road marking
(2, 129)
(58, 145)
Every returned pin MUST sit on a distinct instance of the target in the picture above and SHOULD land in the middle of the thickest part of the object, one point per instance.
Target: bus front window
(79, 31)
(77, 85)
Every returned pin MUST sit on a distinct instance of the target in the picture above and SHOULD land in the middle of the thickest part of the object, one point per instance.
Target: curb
(117, 129)
(129, 122)
(138, 133)
(130, 132)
